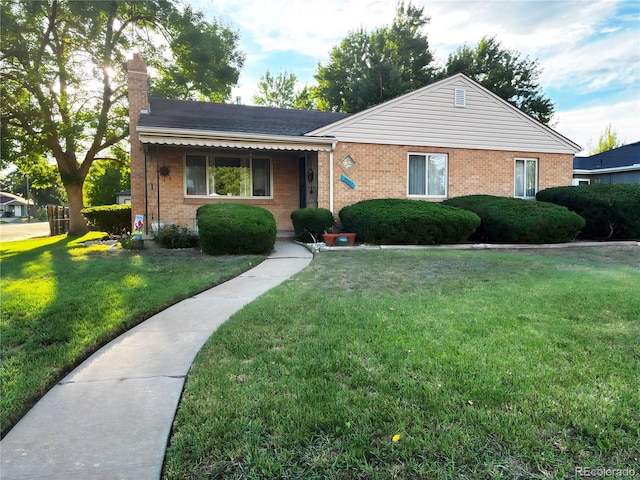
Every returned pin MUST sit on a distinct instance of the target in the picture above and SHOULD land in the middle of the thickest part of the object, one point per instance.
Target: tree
(608, 141)
(44, 183)
(369, 68)
(63, 65)
(505, 73)
(105, 179)
(276, 91)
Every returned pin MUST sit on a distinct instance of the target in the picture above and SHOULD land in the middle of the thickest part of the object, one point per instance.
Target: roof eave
(174, 136)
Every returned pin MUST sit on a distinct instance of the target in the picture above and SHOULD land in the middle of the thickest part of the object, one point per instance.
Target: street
(23, 230)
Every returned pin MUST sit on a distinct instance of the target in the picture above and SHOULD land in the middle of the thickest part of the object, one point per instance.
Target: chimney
(138, 101)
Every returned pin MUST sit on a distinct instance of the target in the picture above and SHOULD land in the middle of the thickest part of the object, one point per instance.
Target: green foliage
(113, 219)
(370, 68)
(412, 222)
(514, 220)
(276, 90)
(104, 180)
(612, 211)
(308, 222)
(64, 80)
(608, 141)
(505, 73)
(45, 186)
(175, 236)
(235, 228)
(131, 243)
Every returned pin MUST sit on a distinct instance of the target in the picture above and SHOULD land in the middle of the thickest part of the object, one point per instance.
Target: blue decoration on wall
(348, 181)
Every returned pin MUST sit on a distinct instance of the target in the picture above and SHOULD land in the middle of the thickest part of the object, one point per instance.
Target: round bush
(612, 210)
(311, 221)
(390, 221)
(235, 228)
(514, 220)
(113, 219)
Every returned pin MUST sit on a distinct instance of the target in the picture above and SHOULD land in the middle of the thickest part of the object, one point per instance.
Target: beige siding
(429, 117)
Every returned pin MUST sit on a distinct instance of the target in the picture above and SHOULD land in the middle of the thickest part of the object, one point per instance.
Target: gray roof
(223, 117)
(625, 156)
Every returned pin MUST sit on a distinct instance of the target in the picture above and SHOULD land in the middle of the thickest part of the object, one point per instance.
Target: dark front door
(303, 181)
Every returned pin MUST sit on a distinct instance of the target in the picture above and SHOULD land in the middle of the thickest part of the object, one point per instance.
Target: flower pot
(330, 238)
(351, 237)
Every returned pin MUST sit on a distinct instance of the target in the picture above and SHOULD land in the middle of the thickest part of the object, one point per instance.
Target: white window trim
(515, 163)
(446, 183)
(210, 155)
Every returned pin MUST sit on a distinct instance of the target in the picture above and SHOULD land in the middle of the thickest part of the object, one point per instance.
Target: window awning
(204, 138)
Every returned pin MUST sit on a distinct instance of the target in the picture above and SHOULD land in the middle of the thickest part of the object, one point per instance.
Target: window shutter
(460, 97)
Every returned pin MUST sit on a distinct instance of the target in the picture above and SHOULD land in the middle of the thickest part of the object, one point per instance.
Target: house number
(348, 181)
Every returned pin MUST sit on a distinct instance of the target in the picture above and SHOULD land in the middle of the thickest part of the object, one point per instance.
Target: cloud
(584, 125)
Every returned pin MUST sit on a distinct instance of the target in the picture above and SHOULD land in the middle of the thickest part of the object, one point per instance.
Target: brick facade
(381, 171)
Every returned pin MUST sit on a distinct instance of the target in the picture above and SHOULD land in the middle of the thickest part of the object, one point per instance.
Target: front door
(303, 181)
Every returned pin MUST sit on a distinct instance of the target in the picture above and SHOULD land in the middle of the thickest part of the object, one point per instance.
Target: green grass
(486, 364)
(62, 300)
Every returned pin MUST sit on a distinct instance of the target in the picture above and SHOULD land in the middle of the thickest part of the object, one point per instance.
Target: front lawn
(423, 364)
(62, 300)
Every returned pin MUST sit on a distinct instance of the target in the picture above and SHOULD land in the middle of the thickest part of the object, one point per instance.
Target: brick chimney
(138, 101)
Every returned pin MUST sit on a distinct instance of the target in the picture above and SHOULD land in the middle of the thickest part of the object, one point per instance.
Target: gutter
(596, 171)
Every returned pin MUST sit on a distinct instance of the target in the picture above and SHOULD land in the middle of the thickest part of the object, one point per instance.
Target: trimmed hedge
(514, 220)
(407, 222)
(235, 228)
(612, 210)
(113, 219)
(311, 220)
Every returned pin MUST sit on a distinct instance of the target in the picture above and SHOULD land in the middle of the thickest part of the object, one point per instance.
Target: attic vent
(460, 97)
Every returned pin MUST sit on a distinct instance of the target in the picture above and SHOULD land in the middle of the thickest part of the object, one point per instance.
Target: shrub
(311, 221)
(514, 220)
(113, 219)
(175, 236)
(411, 222)
(611, 210)
(235, 228)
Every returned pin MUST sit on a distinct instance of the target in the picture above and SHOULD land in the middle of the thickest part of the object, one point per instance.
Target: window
(428, 175)
(526, 177)
(228, 175)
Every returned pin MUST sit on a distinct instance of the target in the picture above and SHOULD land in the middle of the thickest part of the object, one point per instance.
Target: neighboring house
(14, 206)
(619, 165)
(123, 197)
(447, 139)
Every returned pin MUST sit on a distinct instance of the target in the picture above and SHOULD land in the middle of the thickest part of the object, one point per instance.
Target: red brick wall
(176, 208)
(381, 172)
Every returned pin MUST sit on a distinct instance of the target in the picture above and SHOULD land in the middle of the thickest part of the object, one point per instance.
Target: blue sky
(589, 51)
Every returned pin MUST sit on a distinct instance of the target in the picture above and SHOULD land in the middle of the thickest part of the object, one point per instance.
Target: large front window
(228, 175)
(526, 177)
(428, 175)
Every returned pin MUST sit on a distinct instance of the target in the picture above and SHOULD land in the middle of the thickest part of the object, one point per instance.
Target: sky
(588, 51)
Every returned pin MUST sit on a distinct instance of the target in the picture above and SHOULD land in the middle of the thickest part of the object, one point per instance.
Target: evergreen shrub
(311, 221)
(612, 210)
(514, 220)
(175, 236)
(235, 228)
(391, 221)
(113, 219)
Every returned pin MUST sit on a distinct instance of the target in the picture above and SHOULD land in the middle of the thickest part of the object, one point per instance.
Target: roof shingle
(222, 117)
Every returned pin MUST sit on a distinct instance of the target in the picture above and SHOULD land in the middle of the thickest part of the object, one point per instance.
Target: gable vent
(460, 97)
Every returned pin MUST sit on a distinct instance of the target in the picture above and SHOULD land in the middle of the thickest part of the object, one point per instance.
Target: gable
(457, 113)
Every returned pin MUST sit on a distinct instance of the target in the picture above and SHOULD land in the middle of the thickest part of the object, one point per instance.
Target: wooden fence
(58, 219)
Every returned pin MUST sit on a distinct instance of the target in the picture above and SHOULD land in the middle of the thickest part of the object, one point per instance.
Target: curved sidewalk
(110, 418)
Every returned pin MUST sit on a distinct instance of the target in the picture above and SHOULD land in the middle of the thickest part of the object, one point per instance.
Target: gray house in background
(620, 165)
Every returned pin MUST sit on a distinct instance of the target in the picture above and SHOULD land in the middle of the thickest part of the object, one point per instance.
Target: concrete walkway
(111, 417)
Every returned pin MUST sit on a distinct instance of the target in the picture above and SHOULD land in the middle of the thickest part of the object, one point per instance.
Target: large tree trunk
(77, 223)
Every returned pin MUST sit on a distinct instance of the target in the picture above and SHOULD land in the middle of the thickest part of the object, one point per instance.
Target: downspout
(333, 146)
(158, 183)
(146, 191)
